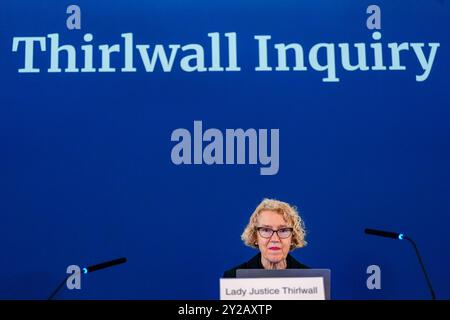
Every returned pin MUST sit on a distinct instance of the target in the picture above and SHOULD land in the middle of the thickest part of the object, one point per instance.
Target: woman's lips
(274, 248)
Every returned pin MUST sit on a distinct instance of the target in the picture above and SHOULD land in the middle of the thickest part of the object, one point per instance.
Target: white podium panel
(308, 288)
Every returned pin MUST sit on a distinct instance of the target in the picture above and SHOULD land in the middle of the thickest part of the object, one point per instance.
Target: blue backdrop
(86, 173)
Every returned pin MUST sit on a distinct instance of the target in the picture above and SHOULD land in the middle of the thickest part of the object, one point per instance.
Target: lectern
(287, 284)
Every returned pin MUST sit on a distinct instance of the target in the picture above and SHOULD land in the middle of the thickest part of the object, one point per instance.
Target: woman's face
(273, 249)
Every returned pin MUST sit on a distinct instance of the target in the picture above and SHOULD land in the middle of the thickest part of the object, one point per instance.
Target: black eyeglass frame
(275, 231)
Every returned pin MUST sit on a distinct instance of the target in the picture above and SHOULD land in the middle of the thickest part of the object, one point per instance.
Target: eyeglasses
(282, 233)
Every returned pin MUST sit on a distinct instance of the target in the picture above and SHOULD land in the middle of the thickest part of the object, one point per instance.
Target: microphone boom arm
(433, 295)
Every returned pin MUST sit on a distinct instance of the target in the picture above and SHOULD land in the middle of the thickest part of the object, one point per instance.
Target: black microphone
(92, 268)
(401, 236)
(386, 234)
(104, 265)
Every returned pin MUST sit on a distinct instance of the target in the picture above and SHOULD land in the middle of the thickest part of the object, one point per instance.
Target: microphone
(104, 265)
(386, 234)
(401, 236)
(92, 268)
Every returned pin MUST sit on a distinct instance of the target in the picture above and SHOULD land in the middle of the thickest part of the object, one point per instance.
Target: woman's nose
(275, 237)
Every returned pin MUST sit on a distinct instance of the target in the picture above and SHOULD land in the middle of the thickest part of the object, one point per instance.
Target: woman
(275, 228)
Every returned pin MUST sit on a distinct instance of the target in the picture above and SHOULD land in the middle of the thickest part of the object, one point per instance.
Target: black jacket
(255, 263)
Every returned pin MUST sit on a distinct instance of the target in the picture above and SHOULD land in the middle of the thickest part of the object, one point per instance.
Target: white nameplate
(307, 288)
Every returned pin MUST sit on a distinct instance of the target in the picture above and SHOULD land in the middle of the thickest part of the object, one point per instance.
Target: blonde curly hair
(289, 213)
